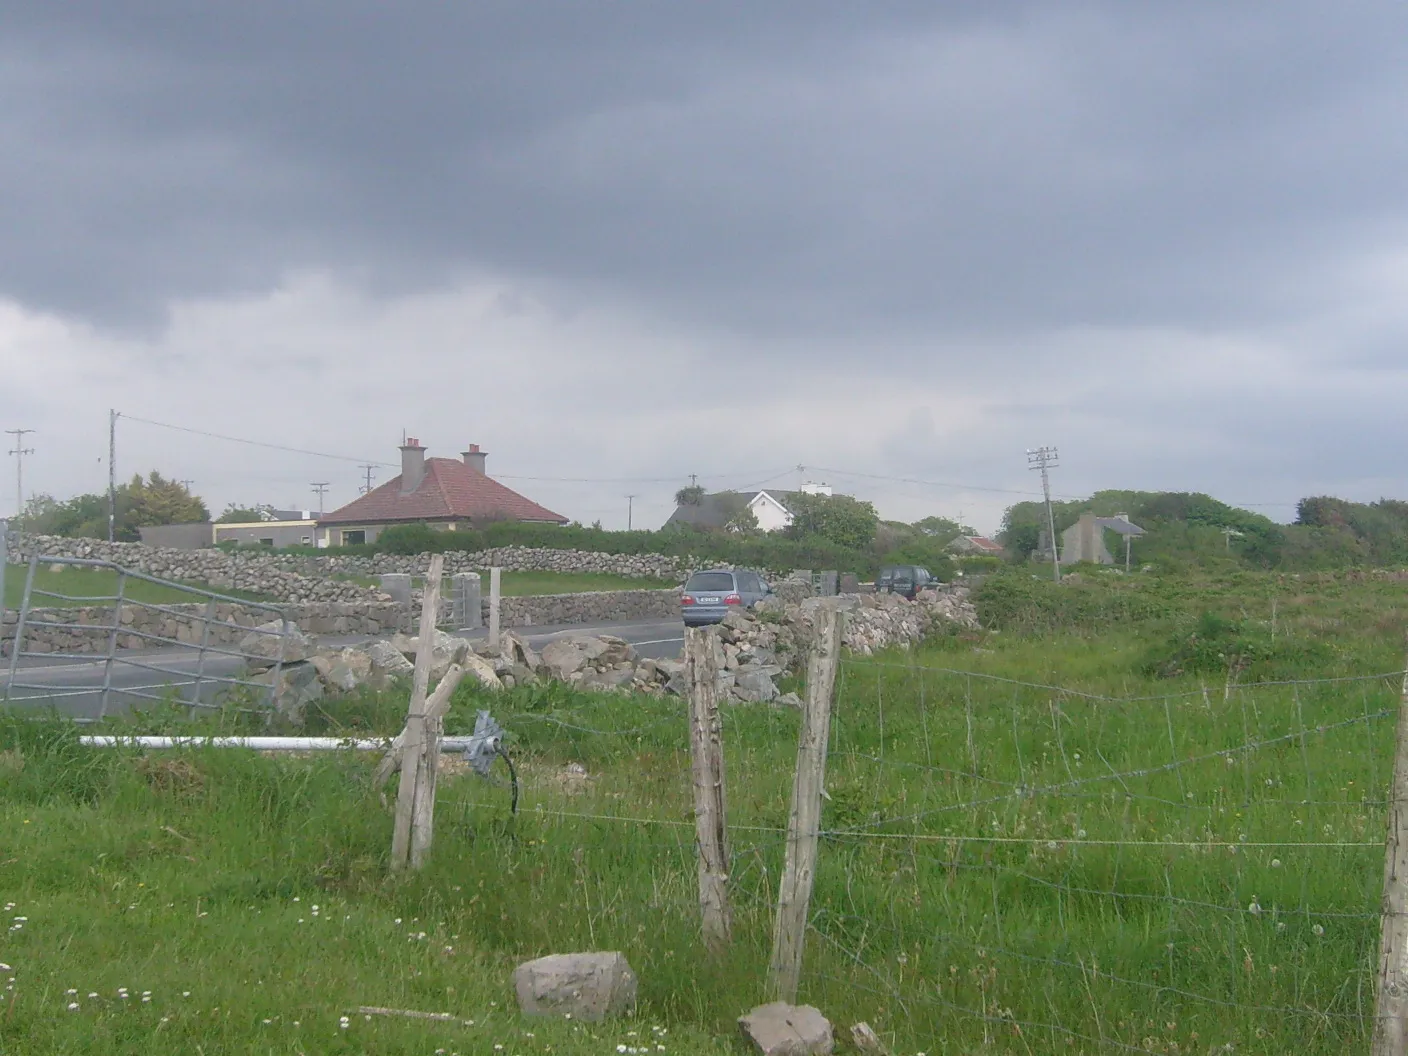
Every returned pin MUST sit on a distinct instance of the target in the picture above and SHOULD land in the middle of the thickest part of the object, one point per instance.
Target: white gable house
(770, 513)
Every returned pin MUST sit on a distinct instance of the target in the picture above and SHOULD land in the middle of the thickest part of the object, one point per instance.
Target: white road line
(659, 641)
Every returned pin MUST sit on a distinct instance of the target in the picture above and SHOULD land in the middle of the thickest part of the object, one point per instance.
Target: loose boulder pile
(755, 649)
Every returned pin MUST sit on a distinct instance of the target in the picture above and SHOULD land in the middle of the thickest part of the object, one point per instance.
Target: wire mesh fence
(1022, 866)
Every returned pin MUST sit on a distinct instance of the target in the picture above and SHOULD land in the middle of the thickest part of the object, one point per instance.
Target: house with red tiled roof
(443, 493)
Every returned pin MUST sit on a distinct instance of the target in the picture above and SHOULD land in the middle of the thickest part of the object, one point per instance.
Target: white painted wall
(770, 513)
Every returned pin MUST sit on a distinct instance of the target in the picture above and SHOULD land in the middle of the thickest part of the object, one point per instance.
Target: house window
(266, 542)
(356, 538)
(307, 539)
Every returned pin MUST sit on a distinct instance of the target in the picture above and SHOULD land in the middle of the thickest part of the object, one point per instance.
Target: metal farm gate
(91, 638)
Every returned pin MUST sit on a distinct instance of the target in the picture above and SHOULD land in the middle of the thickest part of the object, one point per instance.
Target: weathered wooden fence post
(804, 825)
(412, 754)
(702, 662)
(1391, 992)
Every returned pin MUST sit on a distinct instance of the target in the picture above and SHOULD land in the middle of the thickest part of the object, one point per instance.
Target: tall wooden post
(413, 757)
(804, 825)
(1391, 993)
(702, 657)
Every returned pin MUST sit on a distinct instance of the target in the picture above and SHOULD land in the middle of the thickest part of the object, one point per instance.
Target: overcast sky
(617, 244)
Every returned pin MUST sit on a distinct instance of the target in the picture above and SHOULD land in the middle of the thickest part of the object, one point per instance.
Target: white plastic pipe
(265, 744)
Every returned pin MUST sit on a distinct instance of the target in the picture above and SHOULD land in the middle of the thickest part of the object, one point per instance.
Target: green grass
(1006, 867)
(77, 586)
(526, 584)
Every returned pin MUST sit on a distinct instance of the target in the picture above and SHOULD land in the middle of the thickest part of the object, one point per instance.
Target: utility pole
(630, 511)
(19, 452)
(321, 488)
(113, 416)
(694, 480)
(1045, 459)
(369, 469)
(186, 484)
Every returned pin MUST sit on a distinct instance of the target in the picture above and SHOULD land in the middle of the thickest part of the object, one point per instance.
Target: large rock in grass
(344, 670)
(387, 663)
(296, 687)
(781, 1029)
(261, 646)
(446, 649)
(588, 986)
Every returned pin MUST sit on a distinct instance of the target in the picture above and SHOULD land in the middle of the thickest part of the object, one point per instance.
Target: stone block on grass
(589, 986)
(780, 1029)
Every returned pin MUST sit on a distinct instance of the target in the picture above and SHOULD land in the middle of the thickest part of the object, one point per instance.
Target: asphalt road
(74, 687)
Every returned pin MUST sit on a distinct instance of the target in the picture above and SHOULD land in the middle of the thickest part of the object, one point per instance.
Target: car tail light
(733, 599)
(685, 599)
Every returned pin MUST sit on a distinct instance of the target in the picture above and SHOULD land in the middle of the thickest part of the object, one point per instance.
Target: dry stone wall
(253, 571)
(510, 558)
(140, 626)
(590, 608)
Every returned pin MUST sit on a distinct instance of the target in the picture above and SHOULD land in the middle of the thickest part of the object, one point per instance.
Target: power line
(321, 488)
(19, 452)
(251, 443)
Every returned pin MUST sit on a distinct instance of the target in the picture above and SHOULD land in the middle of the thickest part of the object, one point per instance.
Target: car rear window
(709, 581)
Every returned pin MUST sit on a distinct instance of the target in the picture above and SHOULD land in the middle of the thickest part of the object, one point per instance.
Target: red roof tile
(450, 491)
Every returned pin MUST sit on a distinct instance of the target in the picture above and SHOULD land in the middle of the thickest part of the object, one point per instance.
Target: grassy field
(77, 586)
(1172, 853)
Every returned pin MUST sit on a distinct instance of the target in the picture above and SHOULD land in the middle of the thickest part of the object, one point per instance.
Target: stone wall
(182, 623)
(593, 608)
(253, 571)
(510, 558)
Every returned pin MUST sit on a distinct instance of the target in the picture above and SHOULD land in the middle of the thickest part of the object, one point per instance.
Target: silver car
(710, 596)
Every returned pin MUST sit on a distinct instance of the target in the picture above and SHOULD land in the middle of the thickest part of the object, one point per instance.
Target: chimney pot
(475, 458)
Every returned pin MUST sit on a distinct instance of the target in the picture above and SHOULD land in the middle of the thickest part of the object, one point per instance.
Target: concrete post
(828, 585)
(398, 585)
(495, 593)
(467, 601)
(4, 560)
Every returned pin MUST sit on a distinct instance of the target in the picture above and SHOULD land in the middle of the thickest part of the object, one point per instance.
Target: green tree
(690, 496)
(243, 514)
(157, 500)
(841, 519)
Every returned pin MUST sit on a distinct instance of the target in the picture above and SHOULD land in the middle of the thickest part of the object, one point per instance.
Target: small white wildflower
(1275, 863)
(619, 1048)
(1280, 925)
(1318, 930)
(1080, 835)
(295, 898)
(1254, 909)
(267, 1022)
(398, 920)
(185, 993)
(70, 993)
(146, 999)
(5, 967)
(300, 920)
(73, 1006)
(93, 994)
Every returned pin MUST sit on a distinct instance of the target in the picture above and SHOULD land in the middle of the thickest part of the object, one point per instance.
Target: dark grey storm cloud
(793, 168)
